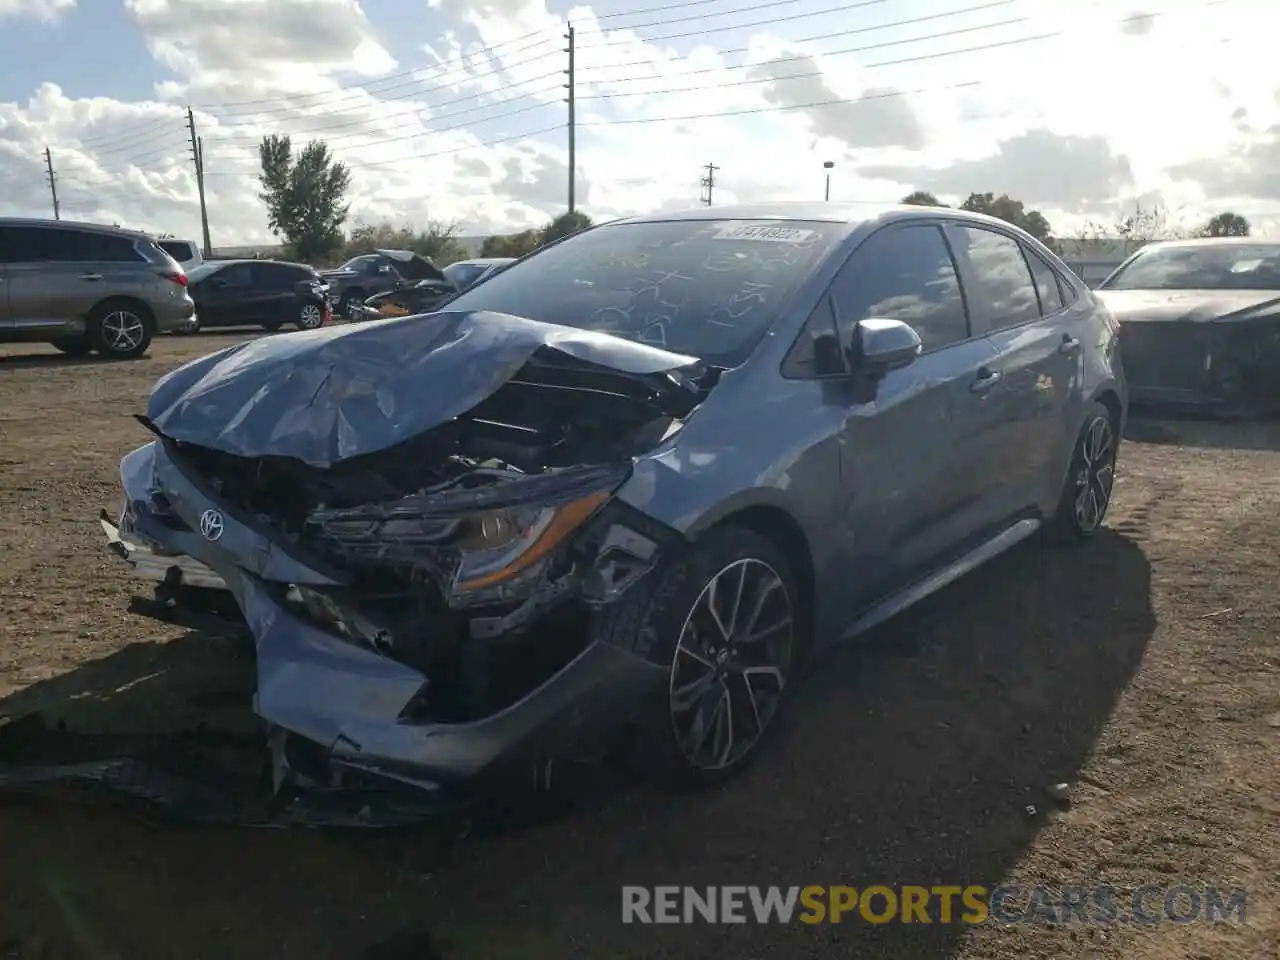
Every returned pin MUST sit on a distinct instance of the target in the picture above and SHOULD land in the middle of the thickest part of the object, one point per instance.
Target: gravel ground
(1142, 670)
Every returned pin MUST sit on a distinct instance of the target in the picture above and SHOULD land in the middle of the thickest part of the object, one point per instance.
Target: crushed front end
(423, 612)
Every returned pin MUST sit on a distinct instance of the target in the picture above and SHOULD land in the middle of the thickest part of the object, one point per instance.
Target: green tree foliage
(527, 241)
(305, 196)
(564, 225)
(1010, 211)
(512, 245)
(922, 198)
(1226, 225)
(436, 241)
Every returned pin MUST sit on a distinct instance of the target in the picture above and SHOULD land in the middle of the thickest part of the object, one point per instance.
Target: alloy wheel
(1096, 476)
(122, 331)
(731, 664)
(310, 317)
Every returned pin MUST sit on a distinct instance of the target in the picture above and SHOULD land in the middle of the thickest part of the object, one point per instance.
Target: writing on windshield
(699, 287)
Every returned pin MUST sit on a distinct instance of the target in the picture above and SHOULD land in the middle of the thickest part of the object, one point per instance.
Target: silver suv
(85, 288)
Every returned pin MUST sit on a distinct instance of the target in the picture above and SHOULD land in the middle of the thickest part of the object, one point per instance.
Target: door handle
(1069, 344)
(90, 276)
(987, 378)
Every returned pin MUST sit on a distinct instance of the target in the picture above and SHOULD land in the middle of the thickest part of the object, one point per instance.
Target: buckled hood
(328, 395)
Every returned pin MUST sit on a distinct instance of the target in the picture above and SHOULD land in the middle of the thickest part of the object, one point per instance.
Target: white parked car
(186, 252)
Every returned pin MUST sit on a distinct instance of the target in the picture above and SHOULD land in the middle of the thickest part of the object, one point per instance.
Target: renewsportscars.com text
(973, 904)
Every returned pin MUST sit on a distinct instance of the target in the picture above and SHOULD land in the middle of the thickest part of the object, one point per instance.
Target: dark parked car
(467, 273)
(260, 293)
(614, 496)
(1200, 323)
(382, 271)
(425, 296)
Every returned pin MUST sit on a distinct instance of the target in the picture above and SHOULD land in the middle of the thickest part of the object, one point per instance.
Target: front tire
(120, 331)
(724, 620)
(1086, 494)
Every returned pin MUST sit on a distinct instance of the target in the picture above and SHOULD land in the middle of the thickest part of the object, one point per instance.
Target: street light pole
(827, 165)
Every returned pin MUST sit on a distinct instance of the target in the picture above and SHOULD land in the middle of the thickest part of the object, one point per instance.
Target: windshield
(1228, 266)
(202, 270)
(358, 264)
(706, 288)
(463, 275)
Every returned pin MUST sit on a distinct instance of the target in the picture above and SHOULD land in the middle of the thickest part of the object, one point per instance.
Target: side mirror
(881, 345)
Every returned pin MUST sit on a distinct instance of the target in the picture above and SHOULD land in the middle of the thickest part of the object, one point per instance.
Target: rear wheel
(1086, 495)
(120, 331)
(350, 300)
(310, 316)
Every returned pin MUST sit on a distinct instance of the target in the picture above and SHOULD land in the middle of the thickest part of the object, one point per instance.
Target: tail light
(175, 276)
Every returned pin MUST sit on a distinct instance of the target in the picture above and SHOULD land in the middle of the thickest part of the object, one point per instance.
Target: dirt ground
(1143, 670)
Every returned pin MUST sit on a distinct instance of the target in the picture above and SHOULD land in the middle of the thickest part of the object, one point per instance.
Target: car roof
(851, 214)
(1211, 242)
(74, 225)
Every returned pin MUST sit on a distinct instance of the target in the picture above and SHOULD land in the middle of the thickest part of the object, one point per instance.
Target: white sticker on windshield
(743, 231)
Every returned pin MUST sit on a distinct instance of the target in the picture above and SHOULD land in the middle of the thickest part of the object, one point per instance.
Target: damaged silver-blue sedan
(615, 495)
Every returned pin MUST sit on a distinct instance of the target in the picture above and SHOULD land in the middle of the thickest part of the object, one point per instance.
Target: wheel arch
(123, 300)
(781, 528)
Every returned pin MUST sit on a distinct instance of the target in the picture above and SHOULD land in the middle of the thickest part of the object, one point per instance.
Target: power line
(769, 21)
(439, 153)
(393, 76)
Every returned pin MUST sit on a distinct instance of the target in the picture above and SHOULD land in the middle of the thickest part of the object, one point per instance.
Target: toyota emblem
(211, 525)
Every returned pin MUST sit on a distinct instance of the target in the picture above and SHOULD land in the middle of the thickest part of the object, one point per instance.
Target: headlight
(496, 537)
(501, 546)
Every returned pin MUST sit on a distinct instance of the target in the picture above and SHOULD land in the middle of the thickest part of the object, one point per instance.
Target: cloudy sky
(453, 109)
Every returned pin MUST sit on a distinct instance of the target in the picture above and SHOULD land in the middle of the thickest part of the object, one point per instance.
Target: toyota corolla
(614, 497)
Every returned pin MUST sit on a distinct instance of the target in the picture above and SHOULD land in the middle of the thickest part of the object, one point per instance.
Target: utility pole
(708, 183)
(573, 153)
(53, 181)
(197, 154)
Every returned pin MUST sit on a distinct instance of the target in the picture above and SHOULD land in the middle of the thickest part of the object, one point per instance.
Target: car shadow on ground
(910, 757)
(24, 361)
(1205, 432)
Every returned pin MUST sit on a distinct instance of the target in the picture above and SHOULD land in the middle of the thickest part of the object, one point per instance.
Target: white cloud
(1109, 105)
(46, 11)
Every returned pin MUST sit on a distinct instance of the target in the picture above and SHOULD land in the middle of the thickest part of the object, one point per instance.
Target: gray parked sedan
(629, 484)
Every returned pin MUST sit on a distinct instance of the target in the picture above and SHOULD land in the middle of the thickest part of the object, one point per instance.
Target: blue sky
(1054, 121)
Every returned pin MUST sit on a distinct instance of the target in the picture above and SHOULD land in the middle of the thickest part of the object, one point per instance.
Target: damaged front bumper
(156, 565)
(342, 713)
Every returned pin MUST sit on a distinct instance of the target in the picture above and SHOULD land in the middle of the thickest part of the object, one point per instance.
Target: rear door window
(1047, 284)
(48, 245)
(107, 248)
(1001, 292)
(906, 274)
(237, 275)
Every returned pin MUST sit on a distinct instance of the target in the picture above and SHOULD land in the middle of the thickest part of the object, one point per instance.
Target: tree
(1226, 225)
(564, 225)
(436, 241)
(1144, 225)
(1011, 211)
(512, 245)
(922, 198)
(304, 196)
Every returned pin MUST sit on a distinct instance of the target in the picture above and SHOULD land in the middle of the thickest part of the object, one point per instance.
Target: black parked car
(261, 293)
(425, 296)
(1200, 324)
(383, 271)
